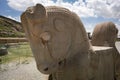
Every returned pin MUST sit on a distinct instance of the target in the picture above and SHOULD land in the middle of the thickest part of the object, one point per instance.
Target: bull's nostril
(46, 69)
(60, 62)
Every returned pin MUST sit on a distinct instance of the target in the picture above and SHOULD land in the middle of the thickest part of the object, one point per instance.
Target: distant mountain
(10, 28)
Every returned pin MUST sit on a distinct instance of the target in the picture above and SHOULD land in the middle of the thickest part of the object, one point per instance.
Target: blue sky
(90, 12)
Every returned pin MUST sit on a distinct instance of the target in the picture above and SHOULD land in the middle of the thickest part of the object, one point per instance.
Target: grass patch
(17, 52)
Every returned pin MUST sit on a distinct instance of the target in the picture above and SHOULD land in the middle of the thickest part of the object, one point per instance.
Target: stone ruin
(104, 34)
(62, 49)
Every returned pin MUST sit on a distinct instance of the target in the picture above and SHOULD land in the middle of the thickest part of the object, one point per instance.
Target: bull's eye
(45, 37)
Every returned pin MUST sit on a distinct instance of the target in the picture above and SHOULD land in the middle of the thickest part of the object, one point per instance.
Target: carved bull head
(104, 34)
(55, 34)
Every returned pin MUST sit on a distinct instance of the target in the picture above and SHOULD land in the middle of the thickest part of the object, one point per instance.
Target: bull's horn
(40, 11)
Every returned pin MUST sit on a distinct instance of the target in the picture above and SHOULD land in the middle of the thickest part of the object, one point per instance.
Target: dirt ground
(22, 71)
(25, 70)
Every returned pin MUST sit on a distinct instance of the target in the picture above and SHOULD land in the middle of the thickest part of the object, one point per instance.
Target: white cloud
(79, 6)
(105, 8)
(20, 5)
(90, 8)
(115, 7)
(14, 18)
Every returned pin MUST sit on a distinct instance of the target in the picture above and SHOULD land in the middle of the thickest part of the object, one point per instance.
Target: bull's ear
(40, 11)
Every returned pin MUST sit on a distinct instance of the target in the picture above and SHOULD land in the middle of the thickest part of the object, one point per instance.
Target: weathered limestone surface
(61, 48)
(105, 34)
(105, 63)
(58, 40)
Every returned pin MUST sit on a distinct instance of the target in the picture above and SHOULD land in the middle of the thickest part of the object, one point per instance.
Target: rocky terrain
(10, 28)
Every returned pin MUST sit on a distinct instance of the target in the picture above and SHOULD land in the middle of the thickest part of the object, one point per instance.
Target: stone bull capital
(61, 48)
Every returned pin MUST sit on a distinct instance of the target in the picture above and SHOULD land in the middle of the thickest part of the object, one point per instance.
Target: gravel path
(25, 71)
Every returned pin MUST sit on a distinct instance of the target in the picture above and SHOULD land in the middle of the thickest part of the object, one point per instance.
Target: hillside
(10, 28)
